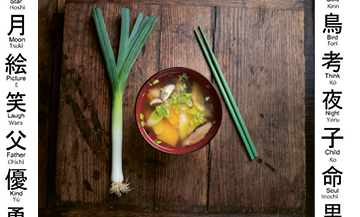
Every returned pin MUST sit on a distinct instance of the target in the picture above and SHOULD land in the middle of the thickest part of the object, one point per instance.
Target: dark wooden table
(265, 50)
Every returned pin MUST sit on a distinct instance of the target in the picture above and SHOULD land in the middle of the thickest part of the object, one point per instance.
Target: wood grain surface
(48, 101)
(261, 55)
(295, 5)
(82, 212)
(84, 120)
(261, 52)
(181, 181)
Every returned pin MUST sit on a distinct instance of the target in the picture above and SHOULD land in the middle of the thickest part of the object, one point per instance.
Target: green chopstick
(228, 97)
(233, 103)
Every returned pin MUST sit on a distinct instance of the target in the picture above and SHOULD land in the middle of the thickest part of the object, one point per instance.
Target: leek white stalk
(118, 186)
(129, 48)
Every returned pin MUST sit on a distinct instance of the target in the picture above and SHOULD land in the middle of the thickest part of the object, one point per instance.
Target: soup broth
(178, 111)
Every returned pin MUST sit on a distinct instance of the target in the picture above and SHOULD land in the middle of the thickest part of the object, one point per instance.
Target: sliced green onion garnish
(155, 81)
(157, 141)
(183, 77)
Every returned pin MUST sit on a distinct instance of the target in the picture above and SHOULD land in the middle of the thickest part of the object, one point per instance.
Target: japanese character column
(337, 147)
(18, 108)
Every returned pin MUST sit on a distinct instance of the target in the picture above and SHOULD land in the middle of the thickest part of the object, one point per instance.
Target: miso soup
(178, 111)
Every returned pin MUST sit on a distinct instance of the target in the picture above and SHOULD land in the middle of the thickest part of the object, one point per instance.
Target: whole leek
(129, 48)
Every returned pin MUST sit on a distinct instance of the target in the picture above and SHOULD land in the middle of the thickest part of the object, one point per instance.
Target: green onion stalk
(129, 48)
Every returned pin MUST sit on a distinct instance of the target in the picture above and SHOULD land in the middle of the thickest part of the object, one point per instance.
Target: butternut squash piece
(189, 116)
(170, 135)
(174, 117)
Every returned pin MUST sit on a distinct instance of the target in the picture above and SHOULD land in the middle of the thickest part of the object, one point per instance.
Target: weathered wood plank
(83, 150)
(294, 5)
(139, 158)
(261, 53)
(309, 99)
(79, 213)
(61, 6)
(46, 34)
(181, 181)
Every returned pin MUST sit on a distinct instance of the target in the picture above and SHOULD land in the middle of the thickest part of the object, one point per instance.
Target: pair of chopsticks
(228, 97)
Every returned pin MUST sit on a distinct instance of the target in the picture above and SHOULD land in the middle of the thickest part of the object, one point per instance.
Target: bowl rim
(147, 81)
